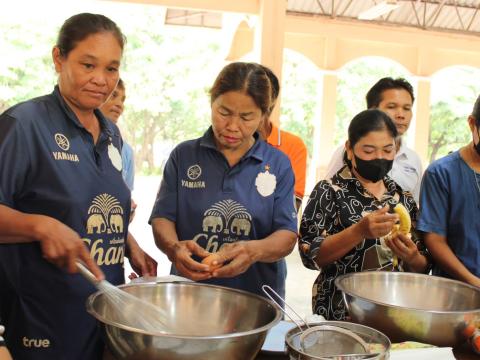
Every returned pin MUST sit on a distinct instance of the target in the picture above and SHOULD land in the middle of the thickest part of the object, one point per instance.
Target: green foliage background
(168, 71)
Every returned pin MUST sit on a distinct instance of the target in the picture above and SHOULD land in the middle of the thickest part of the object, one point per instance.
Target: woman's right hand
(377, 224)
(181, 257)
(62, 246)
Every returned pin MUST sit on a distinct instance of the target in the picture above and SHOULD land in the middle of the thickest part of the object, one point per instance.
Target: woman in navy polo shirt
(229, 193)
(62, 199)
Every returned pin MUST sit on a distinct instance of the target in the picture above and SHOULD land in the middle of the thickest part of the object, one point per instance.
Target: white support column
(422, 122)
(324, 132)
(270, 39)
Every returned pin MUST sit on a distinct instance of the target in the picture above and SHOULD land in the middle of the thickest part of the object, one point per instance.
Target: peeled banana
(405, 221)
(402, 227)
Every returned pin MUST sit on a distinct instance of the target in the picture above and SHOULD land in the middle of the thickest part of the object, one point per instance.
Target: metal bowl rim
(103, 320)
(288, 335)
(365, 273)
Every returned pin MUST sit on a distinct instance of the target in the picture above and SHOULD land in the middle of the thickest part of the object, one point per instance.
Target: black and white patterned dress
(333, 206)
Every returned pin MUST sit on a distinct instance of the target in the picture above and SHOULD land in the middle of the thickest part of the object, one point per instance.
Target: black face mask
(373, 170)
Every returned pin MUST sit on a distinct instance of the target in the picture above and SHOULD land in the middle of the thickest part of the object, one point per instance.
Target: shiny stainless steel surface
(209, 323)
(408, 306)
(377, 342)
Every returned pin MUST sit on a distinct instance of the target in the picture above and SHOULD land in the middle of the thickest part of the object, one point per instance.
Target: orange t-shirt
(292, 146)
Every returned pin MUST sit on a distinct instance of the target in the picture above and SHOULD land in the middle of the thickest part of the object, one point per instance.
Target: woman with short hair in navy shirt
(229, 192)
(63, 199)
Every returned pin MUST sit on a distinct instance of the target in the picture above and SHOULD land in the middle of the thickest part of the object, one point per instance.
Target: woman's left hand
(142, 263)
(237, 258)
(403, 247)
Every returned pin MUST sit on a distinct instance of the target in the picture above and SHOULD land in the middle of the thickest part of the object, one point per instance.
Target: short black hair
(374, 95)
(368, 121)
(275, 86)
(476, 111)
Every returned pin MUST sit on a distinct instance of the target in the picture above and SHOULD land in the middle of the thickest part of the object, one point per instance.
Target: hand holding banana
(399, 238)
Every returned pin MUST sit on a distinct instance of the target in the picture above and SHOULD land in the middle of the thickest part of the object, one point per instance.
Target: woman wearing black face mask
(347, 217)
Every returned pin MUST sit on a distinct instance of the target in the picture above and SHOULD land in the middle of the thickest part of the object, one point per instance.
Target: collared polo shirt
(406, 169)
(294, 147)
(49, 165)
(215, 204)
(450, 207)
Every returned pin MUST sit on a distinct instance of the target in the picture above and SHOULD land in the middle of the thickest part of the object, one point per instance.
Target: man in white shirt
(394, 97)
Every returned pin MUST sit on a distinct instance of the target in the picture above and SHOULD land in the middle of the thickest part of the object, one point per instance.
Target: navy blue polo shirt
(215, 204)
(50, 165)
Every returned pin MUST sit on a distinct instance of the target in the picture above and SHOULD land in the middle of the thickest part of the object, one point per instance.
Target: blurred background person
(290, 144)
(395, 98)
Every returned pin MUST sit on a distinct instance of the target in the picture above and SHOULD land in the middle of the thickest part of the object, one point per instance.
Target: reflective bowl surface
(377, 343)
(206, 322)
(411, 307)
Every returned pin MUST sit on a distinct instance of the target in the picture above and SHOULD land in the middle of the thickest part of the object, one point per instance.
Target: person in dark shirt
(347, 219)
(63, 199)
(229, 192)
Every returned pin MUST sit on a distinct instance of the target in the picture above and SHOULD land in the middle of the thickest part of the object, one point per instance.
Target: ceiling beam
(243, 6)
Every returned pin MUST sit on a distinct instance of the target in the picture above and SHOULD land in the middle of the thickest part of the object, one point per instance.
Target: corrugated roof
(438, 15)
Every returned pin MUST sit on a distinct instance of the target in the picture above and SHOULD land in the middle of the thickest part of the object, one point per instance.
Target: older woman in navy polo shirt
(229, 193)
(62, 198)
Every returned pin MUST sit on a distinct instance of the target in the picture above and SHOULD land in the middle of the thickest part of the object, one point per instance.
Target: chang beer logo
(227, 220)
(105, 216)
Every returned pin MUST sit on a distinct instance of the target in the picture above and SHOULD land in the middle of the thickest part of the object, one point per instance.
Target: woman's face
(235, 118)
(90, 71)
(397, 103)
(374, 145)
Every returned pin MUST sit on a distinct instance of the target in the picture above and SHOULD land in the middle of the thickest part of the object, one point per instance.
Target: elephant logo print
(105, 215)
(227, 216)
(212, 223)
(239, 225)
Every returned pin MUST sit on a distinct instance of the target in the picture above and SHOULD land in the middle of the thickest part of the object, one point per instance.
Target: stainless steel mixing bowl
(408, 306)
(207, 323)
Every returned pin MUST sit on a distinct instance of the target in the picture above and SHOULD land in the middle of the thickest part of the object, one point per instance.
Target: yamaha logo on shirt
(63, 144)
(105, 216)
(193, 173)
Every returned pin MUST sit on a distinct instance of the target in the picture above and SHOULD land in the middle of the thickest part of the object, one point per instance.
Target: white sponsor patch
(266, 183)
(115, 157)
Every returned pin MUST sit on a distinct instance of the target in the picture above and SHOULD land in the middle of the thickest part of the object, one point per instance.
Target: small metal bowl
(378, 344)
(411, 307)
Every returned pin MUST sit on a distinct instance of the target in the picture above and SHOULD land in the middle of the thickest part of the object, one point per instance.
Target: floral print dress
(333, 206)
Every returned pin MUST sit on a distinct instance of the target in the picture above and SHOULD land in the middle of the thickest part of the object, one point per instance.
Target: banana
(403, 227)
(405, 221)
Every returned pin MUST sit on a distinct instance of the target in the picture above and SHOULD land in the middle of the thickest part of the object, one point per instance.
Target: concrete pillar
(269, 40)
(324, 129)
(422, 123)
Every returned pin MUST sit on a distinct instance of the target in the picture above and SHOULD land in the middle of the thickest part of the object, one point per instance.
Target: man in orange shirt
(290, 144)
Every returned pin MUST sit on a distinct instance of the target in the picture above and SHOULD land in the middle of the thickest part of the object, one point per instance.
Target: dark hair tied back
(245, 77)
(80, 26)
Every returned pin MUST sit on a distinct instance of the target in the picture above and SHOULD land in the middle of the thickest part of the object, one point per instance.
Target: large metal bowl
(408, 306)
(208, 323)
